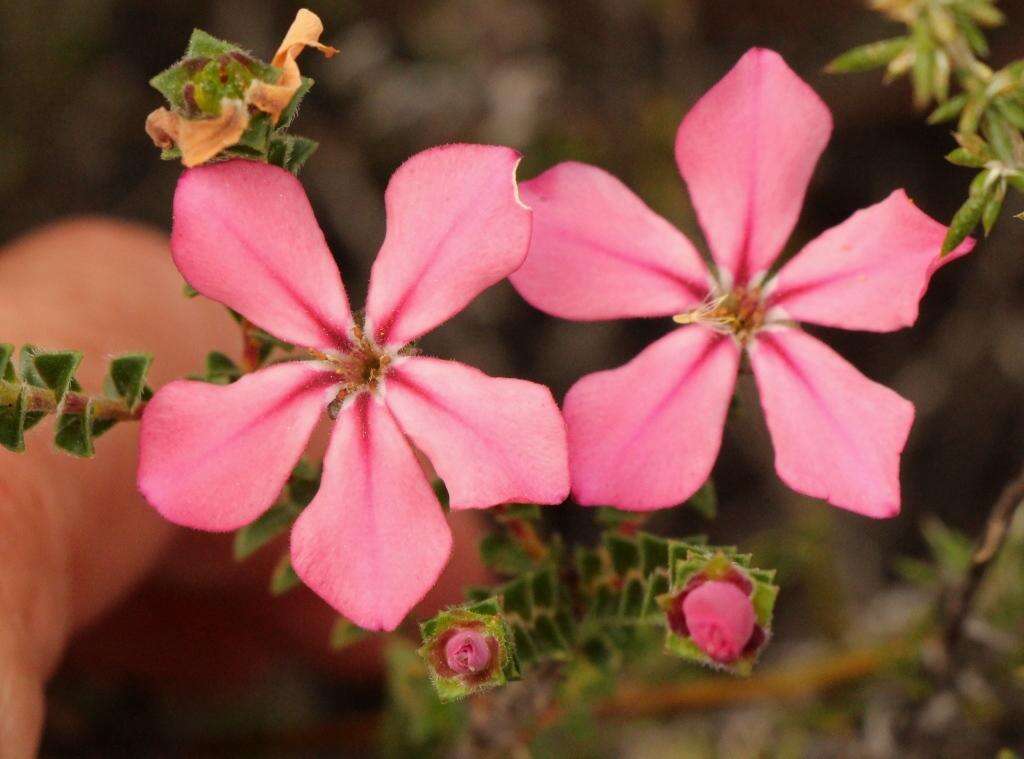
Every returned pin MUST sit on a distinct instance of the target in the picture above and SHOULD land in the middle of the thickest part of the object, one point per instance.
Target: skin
(84, 562)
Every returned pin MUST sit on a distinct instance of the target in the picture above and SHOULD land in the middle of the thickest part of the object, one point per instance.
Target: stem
(41, 399)
(957, 601)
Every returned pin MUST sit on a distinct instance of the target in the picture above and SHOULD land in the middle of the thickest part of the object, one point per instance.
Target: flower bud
(467, 652)
(720, 619)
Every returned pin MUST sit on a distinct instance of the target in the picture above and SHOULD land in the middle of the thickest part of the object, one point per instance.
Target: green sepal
(867, 57)
(284, 578)
(12, 420)
(127, 378)
(171, 84)
(204, 45)
(292, 109)
(623, 552)
(187, 290)
(272, 523)
(290, 152)
(528, 512)
(486, 617)
(50, 369)
(344, 633)
(74, 433)
(304, 482)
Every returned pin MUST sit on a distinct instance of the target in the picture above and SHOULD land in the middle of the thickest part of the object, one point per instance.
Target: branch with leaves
(942, 53)
(43, 383)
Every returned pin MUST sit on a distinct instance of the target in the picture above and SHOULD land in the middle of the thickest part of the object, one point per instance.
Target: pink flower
(645, 436)
(374, 539)
(468, 652)
(719, 618)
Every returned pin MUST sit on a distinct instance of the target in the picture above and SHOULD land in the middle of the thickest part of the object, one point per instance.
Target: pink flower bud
(720, 619)
(467, 652)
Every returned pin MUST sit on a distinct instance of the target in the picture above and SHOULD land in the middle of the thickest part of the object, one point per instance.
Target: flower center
(739, 312)
(362, 367)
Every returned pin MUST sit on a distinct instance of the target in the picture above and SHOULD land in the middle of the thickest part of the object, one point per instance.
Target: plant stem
(41, 399)
(956, 603)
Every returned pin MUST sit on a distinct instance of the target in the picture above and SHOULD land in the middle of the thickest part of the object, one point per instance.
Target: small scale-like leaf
(128, 377)
(948, 110)
(12, 420)
(963, 157)
(867, 57)
(993, 206)
(274, 522)
(284, 578)
(964, 221)
(7, 372)
(501, 554)
(51, 369)
(345, 633)
(220, 369)
(74, 433)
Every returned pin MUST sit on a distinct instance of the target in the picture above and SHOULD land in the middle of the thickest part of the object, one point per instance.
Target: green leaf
(7, 372)
(948, 110)
(274, 522)
(867, 57)
(985, 13)
(74, 433)
(220, 369)
(284, 578)
(127, 375)
(345, 633)
(974, 36)
(924, 65)
(623, 551)
(1000, 136)
(504, 555)
(963, 157)
(990, 213)
(972, 112)
(187, 290)
(51, 369)
(12, 420)
(964, 220)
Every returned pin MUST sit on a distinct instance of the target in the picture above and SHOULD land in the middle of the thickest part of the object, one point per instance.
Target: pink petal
(244, 234)
(720, 618)
(374, 540)
(746, 151)
(598, 252)
(455, 227)
(215, 457)
(492, 440)
(870, 272)
(645, 436)
(837, 435)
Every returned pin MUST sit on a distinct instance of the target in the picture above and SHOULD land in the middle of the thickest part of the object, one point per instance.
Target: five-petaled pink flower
(374, 539)
(645, 435)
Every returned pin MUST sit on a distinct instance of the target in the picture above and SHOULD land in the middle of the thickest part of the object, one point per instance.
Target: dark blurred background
(602, 81)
